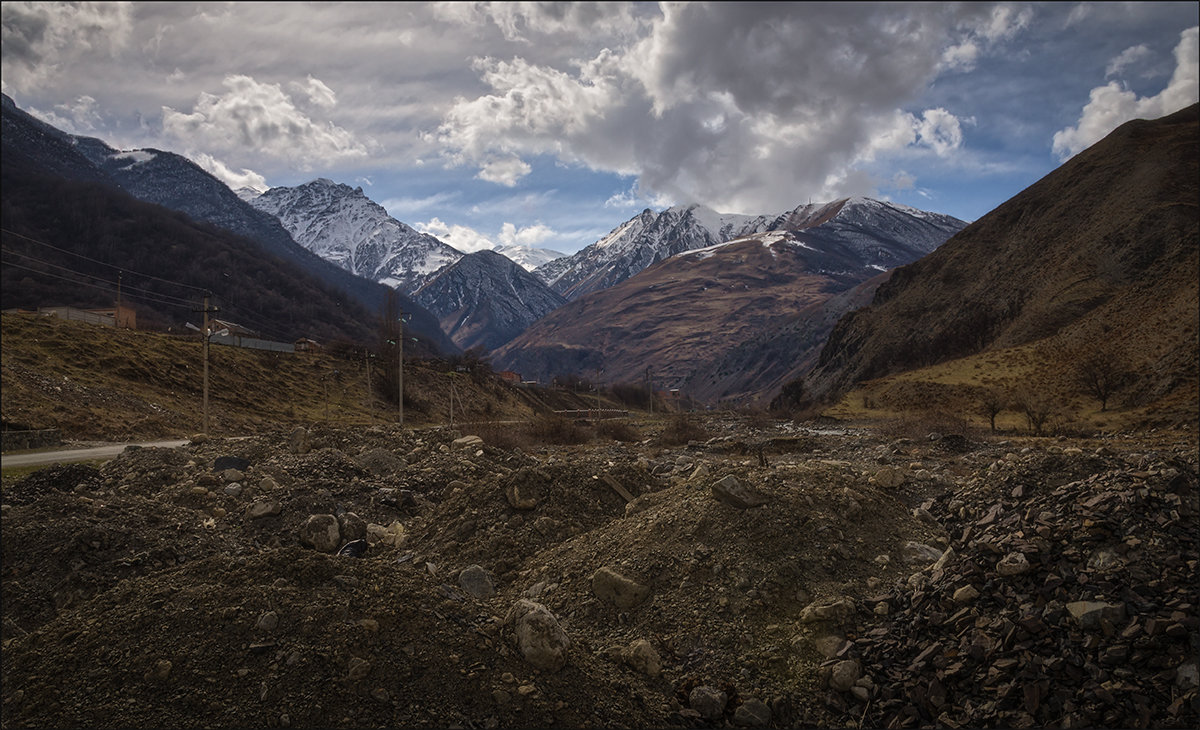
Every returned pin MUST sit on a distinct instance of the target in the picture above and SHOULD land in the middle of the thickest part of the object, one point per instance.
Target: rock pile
(1068, 605)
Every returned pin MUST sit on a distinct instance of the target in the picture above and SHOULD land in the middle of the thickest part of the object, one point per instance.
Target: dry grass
(681, 429)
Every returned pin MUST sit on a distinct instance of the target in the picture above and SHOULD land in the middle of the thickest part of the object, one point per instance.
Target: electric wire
(124, 286)
(103, 263)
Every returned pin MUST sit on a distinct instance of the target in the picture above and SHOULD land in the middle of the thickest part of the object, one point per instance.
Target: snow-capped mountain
(341, 224)
(486, 299)
(175, 182)
(871, 228)
(528, 257)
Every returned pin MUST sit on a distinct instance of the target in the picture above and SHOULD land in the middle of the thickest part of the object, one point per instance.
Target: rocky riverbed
(761, 576)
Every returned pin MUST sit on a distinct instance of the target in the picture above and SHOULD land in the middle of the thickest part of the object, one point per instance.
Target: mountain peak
(343, 225)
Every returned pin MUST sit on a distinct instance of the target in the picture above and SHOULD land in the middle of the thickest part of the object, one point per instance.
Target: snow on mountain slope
(873, 231)
(485, 299)
(342, 225)
(528, 257)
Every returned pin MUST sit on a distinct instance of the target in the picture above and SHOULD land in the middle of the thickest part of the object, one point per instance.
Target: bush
(552, 429)
(618, 431)
(682, 429)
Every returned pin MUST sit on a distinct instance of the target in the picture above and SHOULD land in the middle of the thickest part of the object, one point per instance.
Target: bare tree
(1037, 409)
(1100, 374)
(992, 402)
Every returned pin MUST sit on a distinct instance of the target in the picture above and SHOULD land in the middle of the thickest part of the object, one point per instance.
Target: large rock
(476, 581)
(525, 488)
(888, 477)
(321, 532)
(611, 586)
(708, 701)
(837, 612)
(467, 442)
(732, 492)
(352, 527)
(1091, 614)
(1014, 563)
(538, 636)
(299, 442)
(844, 675)
(642, 656)
(752, 713)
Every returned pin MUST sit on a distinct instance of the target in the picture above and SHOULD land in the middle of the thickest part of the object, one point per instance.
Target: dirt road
(69, 455)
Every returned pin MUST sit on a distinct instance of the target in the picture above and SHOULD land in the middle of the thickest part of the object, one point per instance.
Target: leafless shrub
(618, 431)
(683, 428)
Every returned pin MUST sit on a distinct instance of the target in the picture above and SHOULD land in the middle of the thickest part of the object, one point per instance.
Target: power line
(103, 263)
(125, 287)
(107, 289)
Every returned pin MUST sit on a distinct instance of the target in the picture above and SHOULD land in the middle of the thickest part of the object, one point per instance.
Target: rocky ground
(773, 576)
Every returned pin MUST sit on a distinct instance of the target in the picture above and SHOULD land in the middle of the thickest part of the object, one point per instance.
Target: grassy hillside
(98, 383)
(1038, 381)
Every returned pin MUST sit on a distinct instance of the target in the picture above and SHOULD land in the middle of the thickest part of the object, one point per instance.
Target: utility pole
(370, 399)
(650, 386)
(400, 365)
(205, 334)
(117, 314)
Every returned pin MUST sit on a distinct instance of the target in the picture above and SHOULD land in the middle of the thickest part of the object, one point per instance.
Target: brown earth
(147, 593)
(679, 317)
(1099, 259)
(98, 383)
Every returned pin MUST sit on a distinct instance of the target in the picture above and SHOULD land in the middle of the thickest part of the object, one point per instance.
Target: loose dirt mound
(182, 587)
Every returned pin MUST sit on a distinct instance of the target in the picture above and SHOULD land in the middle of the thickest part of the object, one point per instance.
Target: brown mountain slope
(1097, 258)
(753, 372)
(676, 316)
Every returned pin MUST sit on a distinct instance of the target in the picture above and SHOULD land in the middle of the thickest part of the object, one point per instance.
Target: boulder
(467, 442)
(708, 701)
(844, 675)
(752, 713)
(300, 442)
(642, 656)
(321, 532)
(1013, 564)
(476, 581)
(611, 586)
(838, 612)
(352, 527)
(1090, 614)
(732, 492)
(537, 635)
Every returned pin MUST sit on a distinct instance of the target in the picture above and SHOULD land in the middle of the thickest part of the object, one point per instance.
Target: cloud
(463, 238)
(401, 208)
(504, 172)
(253, 119)
(1129, 56)
(729, 104)
(41, 39)
(242, 179)
(1111, 105)
(533, 235)
(81, 116)
(1000, 24)
(317, 92)
(518, 21)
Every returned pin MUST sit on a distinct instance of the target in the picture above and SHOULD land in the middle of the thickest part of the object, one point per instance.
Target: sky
(550, 124)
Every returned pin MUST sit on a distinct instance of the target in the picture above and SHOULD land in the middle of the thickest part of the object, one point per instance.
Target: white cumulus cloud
(259, 119)
(234, 179)
(533, 235)
(730, 104)
(41, 39)
(1112, 105)
(463, 238)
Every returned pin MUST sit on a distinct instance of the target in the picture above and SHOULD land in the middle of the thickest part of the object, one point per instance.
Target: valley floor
(763, 574)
